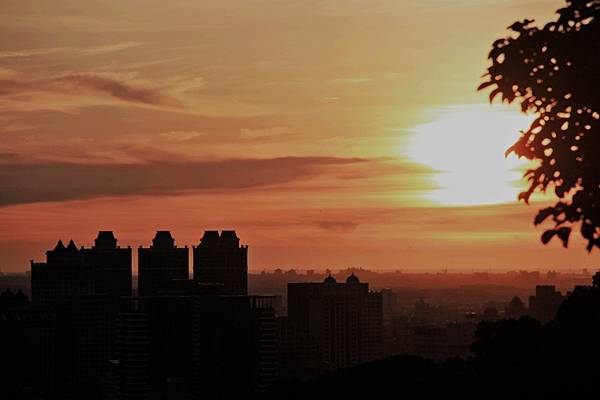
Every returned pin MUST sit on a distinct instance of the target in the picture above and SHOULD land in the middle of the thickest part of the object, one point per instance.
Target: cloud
(179, 136)
(6, 73)
(266, 133)
(338, 226)
(9, 54)
(191, 85)
(92, 50)
(107, 48)
(113, 85)
(117, 88)
(350, 81)
(39, 182)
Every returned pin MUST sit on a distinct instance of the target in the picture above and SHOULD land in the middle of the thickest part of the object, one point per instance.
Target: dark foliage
(553, 72)
(409, 374)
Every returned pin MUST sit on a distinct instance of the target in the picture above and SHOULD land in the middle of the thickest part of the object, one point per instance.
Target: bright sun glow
(466, 145)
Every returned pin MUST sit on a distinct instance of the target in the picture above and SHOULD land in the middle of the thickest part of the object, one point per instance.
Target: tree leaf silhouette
(552, 72)
(548, 235)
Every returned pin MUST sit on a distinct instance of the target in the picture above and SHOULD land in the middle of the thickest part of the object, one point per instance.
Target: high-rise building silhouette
(81, 345)
(191, 340)
(64, 273)
(110, 264)
(221, 259)
(242, 347)
(177, 337)
(104, 268)
(78, 289)
(131, 366)
(22, 345)
(299, 356)
(162, 262)
(345, 319)
(544, 305)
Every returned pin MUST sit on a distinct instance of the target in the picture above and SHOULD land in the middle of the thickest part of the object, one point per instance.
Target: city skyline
(91, 332)
(297, 199)
(313, 130)
(192, 248)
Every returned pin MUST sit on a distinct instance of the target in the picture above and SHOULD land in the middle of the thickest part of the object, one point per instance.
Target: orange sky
(305, 125)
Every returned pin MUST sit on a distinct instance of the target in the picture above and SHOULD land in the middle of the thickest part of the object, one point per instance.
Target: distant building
(390, 301)
(426, 313)
(544, 305)
(345, 319)
(221, 259)
(490, 314)
(161, 263)
(397, 335)
(515, 309)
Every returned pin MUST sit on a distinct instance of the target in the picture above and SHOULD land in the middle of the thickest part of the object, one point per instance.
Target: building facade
(105, 268)
(64, 273)
(77, 290)
(544, 304)
(161, 263)
(110, 265)
(345, 320)
(195, 343)
(219, 258)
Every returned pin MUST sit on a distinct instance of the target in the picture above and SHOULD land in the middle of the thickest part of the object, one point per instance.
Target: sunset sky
(329, 134)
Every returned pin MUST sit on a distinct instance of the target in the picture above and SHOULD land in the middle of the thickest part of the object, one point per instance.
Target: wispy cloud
(351, 81)
(107, 48)
(92, 50)
(115, 87)
(121, 87)
(339, 226)
(30, 52)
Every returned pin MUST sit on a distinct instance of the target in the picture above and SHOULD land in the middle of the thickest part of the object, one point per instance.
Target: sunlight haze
(327, 134)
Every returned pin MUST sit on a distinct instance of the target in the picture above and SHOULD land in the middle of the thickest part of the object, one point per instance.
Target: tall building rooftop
(59, 246)
(105, 240)
(71, 246)
(225, 238)
(210, 237)
(163, 240)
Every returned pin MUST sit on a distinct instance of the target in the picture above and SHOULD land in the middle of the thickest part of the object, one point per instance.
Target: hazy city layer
(95, 331)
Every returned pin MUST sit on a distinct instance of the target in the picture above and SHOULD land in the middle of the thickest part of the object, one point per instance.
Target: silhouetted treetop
(596, 280)
(554, 72)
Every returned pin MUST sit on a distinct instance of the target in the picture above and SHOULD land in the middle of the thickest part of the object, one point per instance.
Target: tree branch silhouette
(554, 73)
